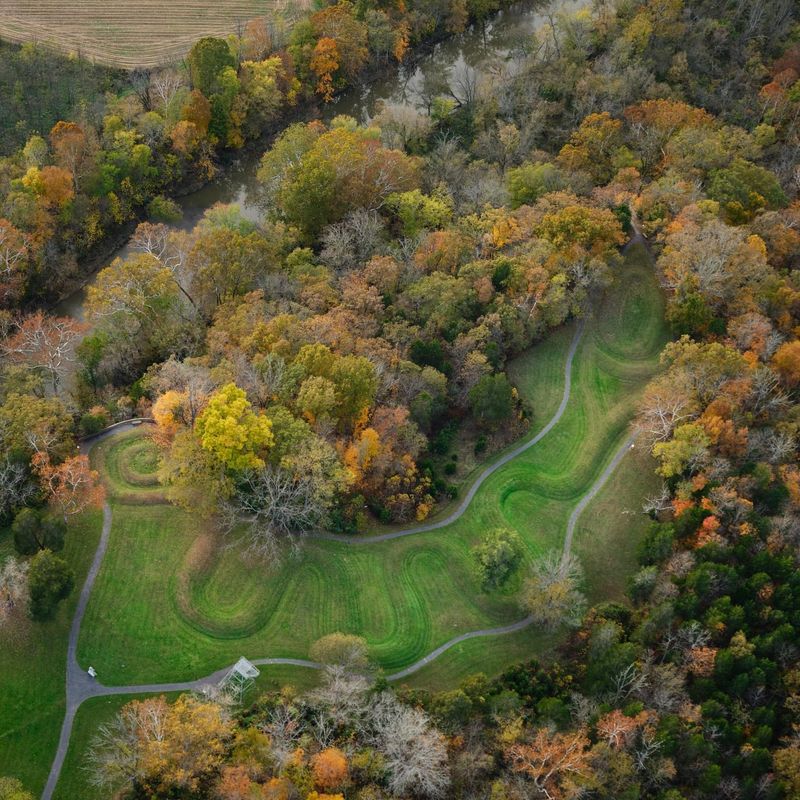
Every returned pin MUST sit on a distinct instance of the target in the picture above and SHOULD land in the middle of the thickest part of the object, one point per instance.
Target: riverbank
(399, 84)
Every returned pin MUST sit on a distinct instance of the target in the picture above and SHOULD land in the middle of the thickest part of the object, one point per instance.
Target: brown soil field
(127, 33)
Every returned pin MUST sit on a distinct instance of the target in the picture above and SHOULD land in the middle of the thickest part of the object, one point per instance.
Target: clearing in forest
(171, 604)
(127, 33)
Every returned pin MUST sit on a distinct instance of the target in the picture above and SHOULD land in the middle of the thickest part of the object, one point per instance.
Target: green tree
(50, 580)
(208, 58)
(689, 314)
(356, 384)
(497, 557)
(34, 531)
(527, 183)
(492, 400)
(417, 211)
(744, 188)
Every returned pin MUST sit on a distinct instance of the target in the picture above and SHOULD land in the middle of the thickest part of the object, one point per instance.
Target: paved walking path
(80, 686)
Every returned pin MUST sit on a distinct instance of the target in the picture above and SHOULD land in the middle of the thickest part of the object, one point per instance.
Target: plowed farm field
(127, 33)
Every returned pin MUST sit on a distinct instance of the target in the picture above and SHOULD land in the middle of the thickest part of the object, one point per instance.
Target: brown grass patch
(129, 33)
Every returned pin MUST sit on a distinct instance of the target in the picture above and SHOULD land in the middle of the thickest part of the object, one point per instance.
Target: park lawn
(171, 604)
(33, 669)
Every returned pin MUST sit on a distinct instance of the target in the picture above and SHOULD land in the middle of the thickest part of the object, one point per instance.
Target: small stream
(504, 38)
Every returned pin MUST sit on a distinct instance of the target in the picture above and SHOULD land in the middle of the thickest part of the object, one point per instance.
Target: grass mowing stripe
(424, 592)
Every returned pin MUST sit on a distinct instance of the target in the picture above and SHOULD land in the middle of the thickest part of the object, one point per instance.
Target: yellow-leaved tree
(232, 432)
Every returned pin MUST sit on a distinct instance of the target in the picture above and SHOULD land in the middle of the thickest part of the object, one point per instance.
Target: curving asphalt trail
(490, 470)
(80, 687)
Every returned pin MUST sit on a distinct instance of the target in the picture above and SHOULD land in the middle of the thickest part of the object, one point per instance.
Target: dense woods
(312, 371)
(131, 139)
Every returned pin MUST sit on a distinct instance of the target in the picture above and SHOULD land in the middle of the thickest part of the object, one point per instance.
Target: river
(504, 38)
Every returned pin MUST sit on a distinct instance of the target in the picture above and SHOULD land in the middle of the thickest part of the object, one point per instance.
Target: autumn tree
(163, 747)
(552, 594)
(596, 147)
(330, 769)
(787, 765)
(232, 432)
(12, 789)
(317, 177)
(139, 290)
(194, 478)
(324, 62)
(235, 784)
(191, 385)
(72, 149)
(43, 342)
(557, 764)
(340, 24)
(71, 486)
(787, 362)
(30, 424)
(342, 649)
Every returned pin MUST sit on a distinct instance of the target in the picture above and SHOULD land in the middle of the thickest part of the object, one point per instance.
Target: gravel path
(80, 686)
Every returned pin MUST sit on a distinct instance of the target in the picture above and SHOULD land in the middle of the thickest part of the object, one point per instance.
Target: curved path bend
(80, 687)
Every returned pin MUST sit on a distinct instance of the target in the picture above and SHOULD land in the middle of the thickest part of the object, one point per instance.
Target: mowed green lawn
(33, 662)
(173, 603)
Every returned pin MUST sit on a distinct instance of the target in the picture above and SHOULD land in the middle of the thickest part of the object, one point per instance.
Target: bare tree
(343, 697)
(13, 254)
(655, 504)
(464, 85)
(667, 404)
(628, 681)
(165, 85)
(192, 380)
(353, 240)
(284, 729)
(415, 753)
(663, 687)
(114, 759)
(44, 342)
(767, 397)
(142, 86)
(16, 486)
(276, 508)
(168, 247)
(402, 124)
(13, 587)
